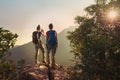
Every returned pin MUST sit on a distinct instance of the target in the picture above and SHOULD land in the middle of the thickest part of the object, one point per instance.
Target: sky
(22, 16)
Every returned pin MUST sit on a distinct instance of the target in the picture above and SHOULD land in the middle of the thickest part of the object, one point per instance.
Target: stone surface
(42, 72)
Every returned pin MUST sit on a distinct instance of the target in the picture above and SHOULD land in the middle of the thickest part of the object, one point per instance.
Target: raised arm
(42, 31)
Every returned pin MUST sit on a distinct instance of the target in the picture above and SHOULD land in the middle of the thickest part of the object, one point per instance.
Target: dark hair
(38, 27)
(50, 26)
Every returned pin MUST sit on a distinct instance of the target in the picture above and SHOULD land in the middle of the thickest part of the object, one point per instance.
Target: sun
(112, 14)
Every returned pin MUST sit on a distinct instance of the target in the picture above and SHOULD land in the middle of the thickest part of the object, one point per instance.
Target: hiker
(36, 38)
(51, 45)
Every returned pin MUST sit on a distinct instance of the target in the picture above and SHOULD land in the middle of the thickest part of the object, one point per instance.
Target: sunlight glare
(112, 15)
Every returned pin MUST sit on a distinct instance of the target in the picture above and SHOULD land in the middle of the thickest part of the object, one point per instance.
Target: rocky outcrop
(42, 72)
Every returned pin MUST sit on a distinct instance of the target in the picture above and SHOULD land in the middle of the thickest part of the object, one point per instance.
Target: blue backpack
(52, 39)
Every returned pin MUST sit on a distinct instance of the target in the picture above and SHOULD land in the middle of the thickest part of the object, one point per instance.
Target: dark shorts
(40, 46)
(51, 48)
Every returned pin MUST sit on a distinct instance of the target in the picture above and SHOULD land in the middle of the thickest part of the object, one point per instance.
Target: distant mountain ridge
(27, 51)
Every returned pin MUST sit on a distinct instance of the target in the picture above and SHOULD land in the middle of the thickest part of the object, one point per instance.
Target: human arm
(56, 38)
(42, 31)
(47, 36)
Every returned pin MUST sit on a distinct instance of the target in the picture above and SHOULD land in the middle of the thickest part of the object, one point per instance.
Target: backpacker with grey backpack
(35, 36)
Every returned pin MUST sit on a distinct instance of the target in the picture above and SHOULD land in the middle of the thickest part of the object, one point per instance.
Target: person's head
(38, 27)
(50, 26)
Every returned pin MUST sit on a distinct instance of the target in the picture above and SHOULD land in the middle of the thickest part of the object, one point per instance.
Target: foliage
(9, 70)
(7, 41)
(96, 43)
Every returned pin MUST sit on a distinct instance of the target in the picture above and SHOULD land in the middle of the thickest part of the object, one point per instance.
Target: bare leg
(47, 55)
(43, 52)
(53, 55)
(36, 54)
(53, 59)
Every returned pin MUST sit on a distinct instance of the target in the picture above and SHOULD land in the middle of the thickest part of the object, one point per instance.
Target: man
(51, 45)
(36, 38)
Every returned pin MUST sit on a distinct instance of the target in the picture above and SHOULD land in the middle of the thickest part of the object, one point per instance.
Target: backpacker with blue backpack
(52, 39)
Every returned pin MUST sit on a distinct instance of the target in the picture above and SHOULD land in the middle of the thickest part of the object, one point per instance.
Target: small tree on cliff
(7, 41)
